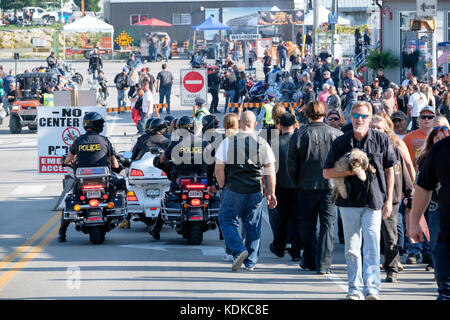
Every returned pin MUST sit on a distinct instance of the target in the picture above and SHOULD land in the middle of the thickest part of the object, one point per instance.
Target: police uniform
(147, 141)
(92, 150)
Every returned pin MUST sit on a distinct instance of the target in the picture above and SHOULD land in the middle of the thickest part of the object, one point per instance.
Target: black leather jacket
(308, 150)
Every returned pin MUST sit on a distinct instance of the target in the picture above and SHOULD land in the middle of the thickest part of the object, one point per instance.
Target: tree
(385, 60)
(89, 5)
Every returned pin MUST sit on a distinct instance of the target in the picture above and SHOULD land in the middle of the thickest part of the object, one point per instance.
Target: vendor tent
(153, 22)
(89, 24)
(210, 24)
(323, 17)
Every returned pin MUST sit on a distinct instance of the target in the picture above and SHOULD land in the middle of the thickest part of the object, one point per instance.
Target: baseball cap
(376, 80)
(125, 69)
(427, 108)
(399, 115)
(199, 101)
(287, 120)
(143, 70)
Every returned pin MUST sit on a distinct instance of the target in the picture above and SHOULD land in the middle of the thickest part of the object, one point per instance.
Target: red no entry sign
(193, 82)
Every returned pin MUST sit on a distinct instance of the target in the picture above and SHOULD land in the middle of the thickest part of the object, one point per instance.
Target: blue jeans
(229, 99)
(120, 98)
(216, 51)
(363, 274)
(282, 61)
(401, 229)
(235, 205)
(433, 223)
(153, 54)
(441, 263)
(167, 54)
(165, 92)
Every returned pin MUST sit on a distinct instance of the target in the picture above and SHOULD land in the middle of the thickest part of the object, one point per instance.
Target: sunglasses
(357, 115)
(426, 117)
(445, 128)
(333, 119)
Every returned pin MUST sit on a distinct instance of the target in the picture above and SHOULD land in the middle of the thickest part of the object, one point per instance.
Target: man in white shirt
(242, 160)
(416, 102)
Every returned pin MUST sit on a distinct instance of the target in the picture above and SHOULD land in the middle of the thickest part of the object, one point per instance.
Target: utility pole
(315, 25)
(334, 36)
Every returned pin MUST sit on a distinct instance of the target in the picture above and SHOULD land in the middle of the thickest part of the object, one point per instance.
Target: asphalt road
(130, 264)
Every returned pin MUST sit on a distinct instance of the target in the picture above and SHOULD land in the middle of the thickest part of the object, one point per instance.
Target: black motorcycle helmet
(186, 122)
(94, 121)
(158, 124)
(147, 124)
(168, 119)
(210, 121)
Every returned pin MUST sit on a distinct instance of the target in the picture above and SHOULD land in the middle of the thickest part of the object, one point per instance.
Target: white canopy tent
(89, 24)
(323, 17)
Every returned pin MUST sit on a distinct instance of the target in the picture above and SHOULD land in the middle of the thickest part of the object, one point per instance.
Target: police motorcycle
(94, 204)
(188, 207)
(145, 184)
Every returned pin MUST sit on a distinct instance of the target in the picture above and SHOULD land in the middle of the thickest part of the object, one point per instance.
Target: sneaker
(353, 296)
(429, 267)
(322, 273)
(279, 254)
(304, 266)
(427, 258)
(372, 297)
(391, 277)
(412, 258)
(239, 260)
(250, 268)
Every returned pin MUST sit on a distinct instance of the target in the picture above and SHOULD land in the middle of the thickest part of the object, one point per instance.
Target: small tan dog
(355, 161)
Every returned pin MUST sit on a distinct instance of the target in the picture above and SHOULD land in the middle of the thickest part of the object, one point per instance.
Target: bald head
(247, 121)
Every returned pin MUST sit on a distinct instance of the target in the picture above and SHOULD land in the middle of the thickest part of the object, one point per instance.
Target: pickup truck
(40, 15)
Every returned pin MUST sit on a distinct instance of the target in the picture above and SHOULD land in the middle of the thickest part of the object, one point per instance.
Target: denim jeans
(120, 98)
(317, 250)
(235, 205)
(165, 92)
(433, 223)
(401, 229)
(363, 274)
(167, 54)
(441, 263)
(216, 51)
(153, 54)
(229, 99)
(282, 61)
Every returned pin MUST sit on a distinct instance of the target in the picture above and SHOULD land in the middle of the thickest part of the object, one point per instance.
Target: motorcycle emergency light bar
(94, 171)
(195, 186)
(136, 173)
(196, 202)
(92, 186)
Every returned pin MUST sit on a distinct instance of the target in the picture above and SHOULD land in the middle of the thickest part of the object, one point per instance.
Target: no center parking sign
(194, 83)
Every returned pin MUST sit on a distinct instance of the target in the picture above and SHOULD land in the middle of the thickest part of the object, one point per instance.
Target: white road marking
(206, 250)
(28, 189)
(10, 236)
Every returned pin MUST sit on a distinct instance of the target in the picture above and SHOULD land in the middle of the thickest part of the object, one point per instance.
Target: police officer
(188, 152)
(200, 110)
(154, 137)
(92, 150)
(266, 111)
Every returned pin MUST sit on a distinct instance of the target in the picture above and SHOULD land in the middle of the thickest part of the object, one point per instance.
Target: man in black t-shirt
(434, 171)
(164, 81)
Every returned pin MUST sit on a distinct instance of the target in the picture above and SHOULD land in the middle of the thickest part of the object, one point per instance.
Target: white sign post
(426, 8)
(58, 128)
(194, 83)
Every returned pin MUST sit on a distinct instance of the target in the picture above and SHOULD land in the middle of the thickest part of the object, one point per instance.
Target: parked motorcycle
(191, 209)
(95, 206)
(146, 184)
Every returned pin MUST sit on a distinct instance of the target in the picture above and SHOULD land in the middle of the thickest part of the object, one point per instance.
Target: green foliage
(89, 5)
(385, 60)
(19, 4)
